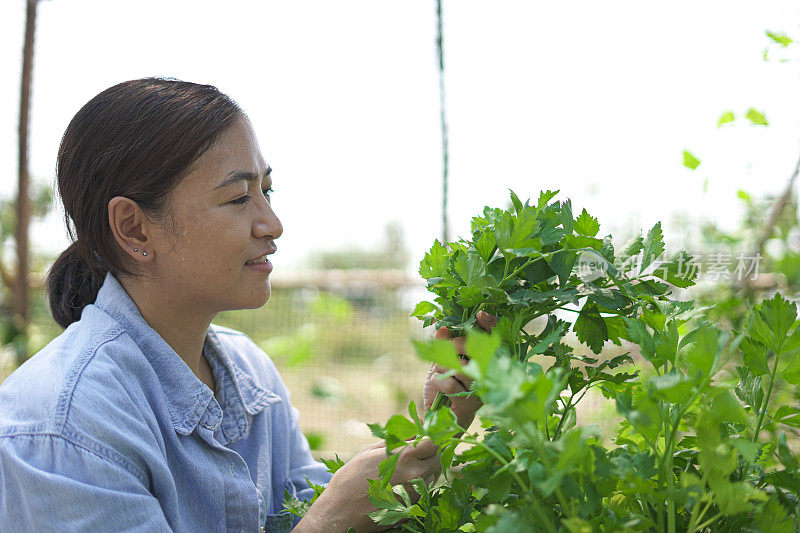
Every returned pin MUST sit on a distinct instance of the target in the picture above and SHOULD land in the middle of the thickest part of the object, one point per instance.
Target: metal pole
(443, 118)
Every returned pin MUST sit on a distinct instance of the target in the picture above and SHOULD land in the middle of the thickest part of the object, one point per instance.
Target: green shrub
(697, 449)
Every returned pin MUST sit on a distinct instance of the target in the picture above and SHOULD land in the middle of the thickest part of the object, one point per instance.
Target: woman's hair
(136, 139)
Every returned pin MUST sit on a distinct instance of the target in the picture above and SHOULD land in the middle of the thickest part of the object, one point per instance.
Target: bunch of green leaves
(299, 507)
(533, 260)
(696, 449)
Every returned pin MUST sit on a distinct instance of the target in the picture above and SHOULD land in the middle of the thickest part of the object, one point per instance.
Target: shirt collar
(188, 398)
(241, 397)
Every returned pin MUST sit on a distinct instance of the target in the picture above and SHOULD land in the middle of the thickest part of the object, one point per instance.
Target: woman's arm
(48, 482)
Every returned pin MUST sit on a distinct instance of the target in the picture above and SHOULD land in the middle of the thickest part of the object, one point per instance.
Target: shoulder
(80, 389)
(40, 390)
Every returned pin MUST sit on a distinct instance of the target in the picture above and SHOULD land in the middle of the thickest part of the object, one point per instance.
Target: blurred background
(390, 124)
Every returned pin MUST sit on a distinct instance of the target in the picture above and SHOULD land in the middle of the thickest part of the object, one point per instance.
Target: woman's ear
(131, 228)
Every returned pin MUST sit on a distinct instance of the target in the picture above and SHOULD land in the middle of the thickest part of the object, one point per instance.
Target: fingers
(423, 450)
(461, 378)
(423, 461)
(485, 320)
(438, 381)
(428, 389)
(376, 445)
(430, 468)
(447, 385)
(431, 371)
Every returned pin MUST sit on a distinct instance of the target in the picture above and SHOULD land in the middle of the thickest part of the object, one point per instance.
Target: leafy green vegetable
(702, 443)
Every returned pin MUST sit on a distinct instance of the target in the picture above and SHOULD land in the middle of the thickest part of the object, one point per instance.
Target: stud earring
(135, 249)
(144, 253)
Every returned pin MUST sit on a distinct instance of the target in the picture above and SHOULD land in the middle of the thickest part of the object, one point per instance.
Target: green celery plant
(689, 454)
(694, 451)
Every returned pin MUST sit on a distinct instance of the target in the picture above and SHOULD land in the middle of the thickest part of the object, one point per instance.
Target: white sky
(595, 98)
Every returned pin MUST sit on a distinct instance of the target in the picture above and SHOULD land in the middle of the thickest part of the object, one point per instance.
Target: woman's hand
(464, 407)
(345, 502)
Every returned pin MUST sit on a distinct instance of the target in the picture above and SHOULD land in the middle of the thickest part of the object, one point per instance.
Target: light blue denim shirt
(107, 429)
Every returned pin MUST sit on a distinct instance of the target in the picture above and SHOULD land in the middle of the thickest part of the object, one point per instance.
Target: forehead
(235, 150)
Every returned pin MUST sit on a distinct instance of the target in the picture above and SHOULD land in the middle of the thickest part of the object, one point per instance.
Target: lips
(261, 258)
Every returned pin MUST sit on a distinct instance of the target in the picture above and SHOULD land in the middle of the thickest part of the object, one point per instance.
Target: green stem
(528, 491)
(499, 458)
(665, 466)
(557, 432)
(705, 509)
(569, 404)
(694, 519)
(509, 276)
(585, 390)
(766, 399)
(439, 401)
(670, 487)
(708, 522)
(546, 429)
(563, 308)
(669, 443)
(568, 510)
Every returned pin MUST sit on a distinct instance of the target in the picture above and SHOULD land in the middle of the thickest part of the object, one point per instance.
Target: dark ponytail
(72, 283)
(136, 139)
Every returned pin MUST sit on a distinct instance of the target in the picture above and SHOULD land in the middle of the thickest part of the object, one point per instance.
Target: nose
(267, 223)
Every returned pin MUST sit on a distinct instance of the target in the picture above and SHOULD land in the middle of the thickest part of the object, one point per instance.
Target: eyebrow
(235, 176)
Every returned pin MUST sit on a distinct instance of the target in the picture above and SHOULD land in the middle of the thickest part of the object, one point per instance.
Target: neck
(177, 322)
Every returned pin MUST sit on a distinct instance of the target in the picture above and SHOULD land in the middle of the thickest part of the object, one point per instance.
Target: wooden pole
(777, 209)
(21, 305)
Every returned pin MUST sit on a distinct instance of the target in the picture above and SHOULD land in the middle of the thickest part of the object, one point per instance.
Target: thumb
(486, 321)
(442, 333)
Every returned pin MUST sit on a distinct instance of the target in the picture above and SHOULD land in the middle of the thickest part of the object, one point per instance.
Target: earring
(135, 249)
(144, 253)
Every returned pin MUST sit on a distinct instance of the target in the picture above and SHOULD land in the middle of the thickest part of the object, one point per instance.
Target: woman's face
(222, 220)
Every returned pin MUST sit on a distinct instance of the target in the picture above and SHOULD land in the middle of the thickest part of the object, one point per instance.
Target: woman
(142, 415)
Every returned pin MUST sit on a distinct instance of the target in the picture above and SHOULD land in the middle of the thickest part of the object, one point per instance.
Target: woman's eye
(246, 198)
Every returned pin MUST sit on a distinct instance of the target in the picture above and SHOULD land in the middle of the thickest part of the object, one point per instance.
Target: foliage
(699, 448)
(777, 263)
(23, 338)
(299, 507)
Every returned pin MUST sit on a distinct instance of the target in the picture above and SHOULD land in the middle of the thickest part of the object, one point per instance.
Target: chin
(252, 297)
(258, 299)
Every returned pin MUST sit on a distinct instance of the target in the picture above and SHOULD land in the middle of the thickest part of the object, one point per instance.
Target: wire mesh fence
(341, 340)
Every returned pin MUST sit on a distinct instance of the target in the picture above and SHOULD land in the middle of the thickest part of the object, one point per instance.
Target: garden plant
(703, 444)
